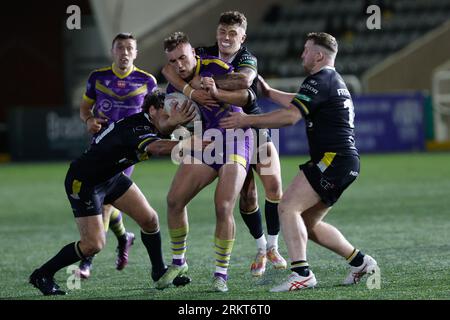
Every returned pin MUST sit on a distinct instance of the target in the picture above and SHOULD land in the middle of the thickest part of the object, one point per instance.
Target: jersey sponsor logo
(303, 97)
(309, 88)
(343, 92)
(142, 128)
(134, 84)
(105, 105)
(247, 61)
(121, 84)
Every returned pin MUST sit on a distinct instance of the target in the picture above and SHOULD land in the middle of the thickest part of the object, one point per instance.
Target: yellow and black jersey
(327, 107)
(115, 148)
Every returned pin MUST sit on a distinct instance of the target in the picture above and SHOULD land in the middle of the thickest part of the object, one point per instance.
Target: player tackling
(97, 178)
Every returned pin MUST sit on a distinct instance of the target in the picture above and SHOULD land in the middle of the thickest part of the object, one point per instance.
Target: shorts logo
(353, 173)
(89, 204)
(326, 184)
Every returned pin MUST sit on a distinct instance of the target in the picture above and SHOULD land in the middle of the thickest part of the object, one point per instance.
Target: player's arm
(161, 147)
(164, 147)
(242, 79)
(282, 117)
(171, 76)
(93, 124)
(235, 97)
(200, 96)
(280, 97)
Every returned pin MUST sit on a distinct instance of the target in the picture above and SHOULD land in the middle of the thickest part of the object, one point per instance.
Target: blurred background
(399, 74)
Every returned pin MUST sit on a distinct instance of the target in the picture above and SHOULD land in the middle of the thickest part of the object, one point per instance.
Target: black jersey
(243, 59)
(114, 149)
(327, 107)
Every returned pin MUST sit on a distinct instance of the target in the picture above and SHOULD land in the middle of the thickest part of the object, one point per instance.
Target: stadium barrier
(45, 134)
(384, 123)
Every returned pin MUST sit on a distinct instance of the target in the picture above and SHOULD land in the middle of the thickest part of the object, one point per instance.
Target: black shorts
(87, 199)
(330, 178)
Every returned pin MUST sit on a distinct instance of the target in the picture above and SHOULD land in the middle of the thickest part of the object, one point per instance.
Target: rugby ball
(177, 97)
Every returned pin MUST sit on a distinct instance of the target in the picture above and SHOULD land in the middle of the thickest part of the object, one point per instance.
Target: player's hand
(234, 120)
(196, 82)
(210, 86)
(204, 99)
(263, 86)
(183, 114)
(94, 125)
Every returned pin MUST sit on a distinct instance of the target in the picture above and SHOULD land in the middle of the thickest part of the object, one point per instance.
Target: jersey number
(348, 104)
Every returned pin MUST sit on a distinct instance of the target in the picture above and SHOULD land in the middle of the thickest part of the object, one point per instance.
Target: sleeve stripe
(86, 98)
(246, 65)
(296, 102)
(147, 74)
(216, 61)
(146, 142)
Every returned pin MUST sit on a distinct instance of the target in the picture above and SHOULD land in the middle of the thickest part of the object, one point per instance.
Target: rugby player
(325, 103)
(196, 173)
(114, 93)
(230, 36)
(97, 178)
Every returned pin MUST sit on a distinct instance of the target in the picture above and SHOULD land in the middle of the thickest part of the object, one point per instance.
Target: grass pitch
(397, 211)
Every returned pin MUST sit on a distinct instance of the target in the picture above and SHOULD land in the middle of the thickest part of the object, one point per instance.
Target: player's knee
(311, 233)
(172, 203)
(248, 201)
(284, 209)
(150, 224)
(93, 246)
(310, 223)
(273, 190)
(224, 210)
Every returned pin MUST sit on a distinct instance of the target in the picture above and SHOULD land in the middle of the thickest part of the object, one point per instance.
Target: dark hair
(323, 39)
(232, 18)
(155, 99)
(174, 40)
(123, 36)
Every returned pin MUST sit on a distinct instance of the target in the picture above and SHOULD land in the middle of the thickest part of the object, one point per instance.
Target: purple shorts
(230, 146)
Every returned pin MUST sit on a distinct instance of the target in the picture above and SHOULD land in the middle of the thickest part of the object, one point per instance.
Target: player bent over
(96, 178)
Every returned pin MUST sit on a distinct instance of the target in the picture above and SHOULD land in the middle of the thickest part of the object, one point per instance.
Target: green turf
(397, 211)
